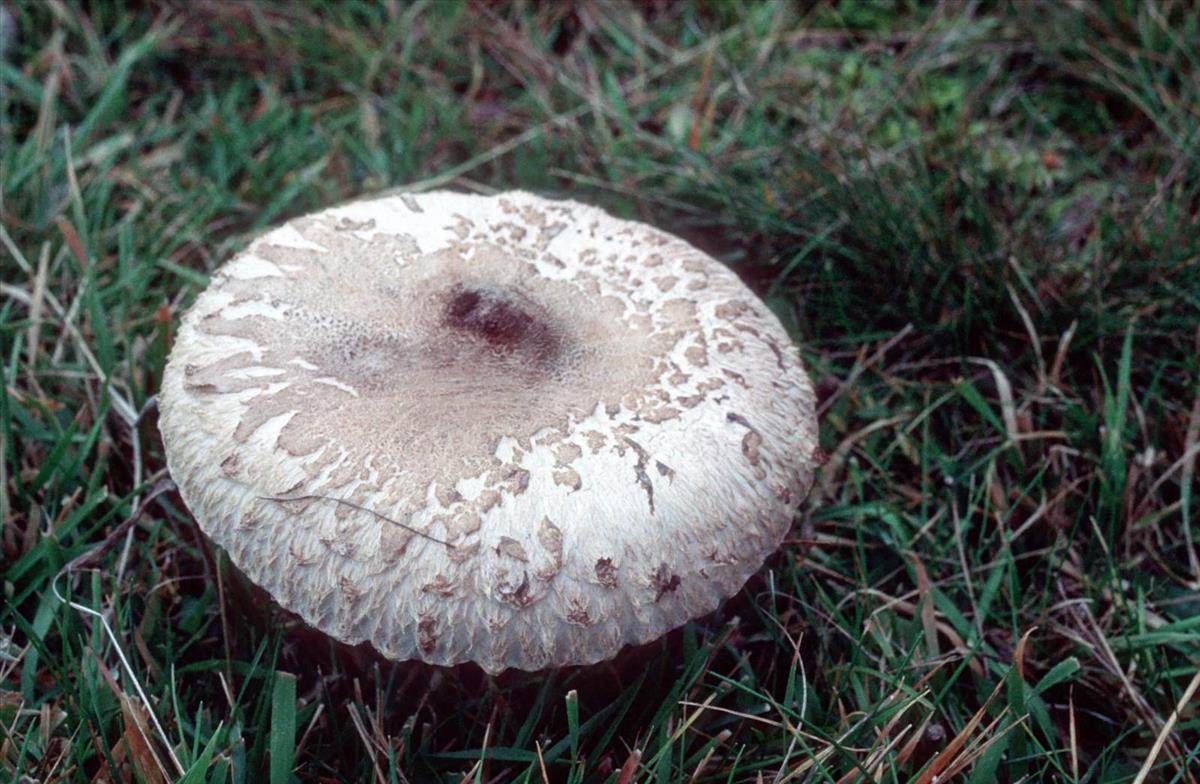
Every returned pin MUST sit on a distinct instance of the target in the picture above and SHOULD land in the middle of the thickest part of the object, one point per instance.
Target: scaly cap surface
(514, 431)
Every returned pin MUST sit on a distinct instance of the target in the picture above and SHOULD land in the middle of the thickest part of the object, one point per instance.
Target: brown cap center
(504, 320)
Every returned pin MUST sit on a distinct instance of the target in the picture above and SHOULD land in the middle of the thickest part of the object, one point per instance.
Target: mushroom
(507, 430)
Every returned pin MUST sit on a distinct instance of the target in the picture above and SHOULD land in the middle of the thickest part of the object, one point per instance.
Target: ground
(979, 220)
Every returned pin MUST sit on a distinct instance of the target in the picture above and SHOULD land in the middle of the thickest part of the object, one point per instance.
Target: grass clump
(980, 222)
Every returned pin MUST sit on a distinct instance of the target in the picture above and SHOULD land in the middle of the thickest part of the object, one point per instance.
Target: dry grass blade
(862, 366)
(949, 755)
(1008, 408)
(541, 763)
(878, 757)
(630, 768)
(136, 734)
(141, 753)
(927, 612)
(1168, 726)
(1191, 447)
(911, 610)
(368, 745)
(702, 765)
(163, 486)
(837, 460)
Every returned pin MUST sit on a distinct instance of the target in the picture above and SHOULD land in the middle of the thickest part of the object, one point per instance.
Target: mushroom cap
(507, 430)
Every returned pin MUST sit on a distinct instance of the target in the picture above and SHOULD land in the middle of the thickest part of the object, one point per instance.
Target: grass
(980, 221)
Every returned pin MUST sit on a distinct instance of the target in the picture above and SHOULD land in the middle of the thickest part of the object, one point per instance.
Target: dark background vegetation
(979, 220)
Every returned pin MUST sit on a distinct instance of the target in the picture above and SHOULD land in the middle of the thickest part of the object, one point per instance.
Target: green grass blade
(283, 727)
